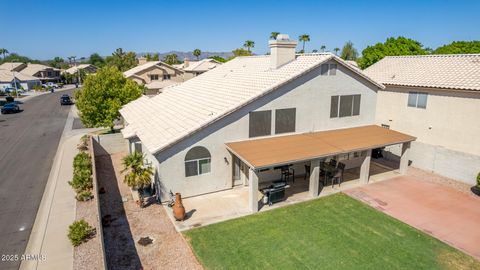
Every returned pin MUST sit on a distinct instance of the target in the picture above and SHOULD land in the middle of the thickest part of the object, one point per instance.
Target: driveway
(29, 141)
(439, 210)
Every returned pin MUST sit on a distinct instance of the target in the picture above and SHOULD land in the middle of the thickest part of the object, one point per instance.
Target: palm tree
(197, 53)
(4, 52)
(249, 44)
(138, 176)
(323, 47)
(274, 35)
(171, 59)
(349, 52)
(336, 50)
(304, 38)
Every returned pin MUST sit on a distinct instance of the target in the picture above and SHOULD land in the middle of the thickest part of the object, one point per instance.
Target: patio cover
(268, 152)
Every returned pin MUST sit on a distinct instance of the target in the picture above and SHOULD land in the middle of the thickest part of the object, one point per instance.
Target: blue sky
(49, 28)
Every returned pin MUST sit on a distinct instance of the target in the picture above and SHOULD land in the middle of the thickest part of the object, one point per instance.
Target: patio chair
(333, 162)
(338, 176)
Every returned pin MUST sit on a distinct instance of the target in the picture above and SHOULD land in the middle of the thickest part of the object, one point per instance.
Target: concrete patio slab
(439, 210)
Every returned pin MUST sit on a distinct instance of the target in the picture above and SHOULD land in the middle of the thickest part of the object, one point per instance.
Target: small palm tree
(304, 38)
(4, 52)
(336, 50)
(249, 44)
(274, 35)
(197, 53)
(138, 176)
(323, 47)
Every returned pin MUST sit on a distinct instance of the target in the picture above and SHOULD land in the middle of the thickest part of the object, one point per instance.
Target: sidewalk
(31, 94)
(57, 208)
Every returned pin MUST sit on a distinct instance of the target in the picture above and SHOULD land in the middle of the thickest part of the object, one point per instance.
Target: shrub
(9, 99)
(82, 173)
(84, 195)
(478, 180)
(79, 232)
(37, 87)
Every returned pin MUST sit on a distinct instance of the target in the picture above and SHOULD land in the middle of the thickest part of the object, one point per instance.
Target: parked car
(50, 84)
(65, 100)
(10, 108)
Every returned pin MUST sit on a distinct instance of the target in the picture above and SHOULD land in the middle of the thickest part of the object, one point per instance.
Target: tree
(336, 50)
(103, 94)
(138, 176)
(218, 58)
(274, 35)
(349, 52)
(96, 60)
(239, 52)
(3, 52)
(171, 59)
(323, 47)
(314, 51)
(392, 46)
(459, 47)
(123, 61)
(304, 38)
(197, 53)
(152, 57)
(13, 57)
(249, 44)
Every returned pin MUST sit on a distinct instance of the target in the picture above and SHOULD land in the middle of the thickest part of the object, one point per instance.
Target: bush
(84, 195)
(82, 173)
(79, 232)
(478, 180)
(37, 87)
(9, 99)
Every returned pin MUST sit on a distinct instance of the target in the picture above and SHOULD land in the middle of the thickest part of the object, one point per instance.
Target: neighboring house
(155, 75)
(437, 99)
(87, 68)
(25, 82)
(237, 123)
(195, 68)
(42, 72)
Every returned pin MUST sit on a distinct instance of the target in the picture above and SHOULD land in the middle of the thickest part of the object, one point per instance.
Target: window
(166, 77)
(285, 120)
(260, 123)
(386, 126)
(343, 106)
(417, 100)
(197, 161)
(154, 77)
(328, 69)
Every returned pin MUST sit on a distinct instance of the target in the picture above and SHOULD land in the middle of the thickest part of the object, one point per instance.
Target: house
(435, 98)
(195, 68)
(42, 72)
(87, 68)
(25, 82)
(238, 123)
(155, 75)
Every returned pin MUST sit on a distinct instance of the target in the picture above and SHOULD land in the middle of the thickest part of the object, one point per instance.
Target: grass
(334, 232)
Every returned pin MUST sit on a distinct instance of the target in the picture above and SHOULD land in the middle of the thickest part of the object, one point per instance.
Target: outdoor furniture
(275, 192)
(338, 176)
(327, 171)
(307, 171)
(288, 172)
(333, 162)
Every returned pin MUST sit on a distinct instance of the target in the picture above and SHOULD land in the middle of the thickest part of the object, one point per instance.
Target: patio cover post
(253, 190)
(365, 168)
(404, 158)
(313, 188)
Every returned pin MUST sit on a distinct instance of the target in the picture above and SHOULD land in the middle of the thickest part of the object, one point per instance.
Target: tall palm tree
(336, 50)
(274, 35)
(249, 44)
(197, 53)
(138, 176)
(323, 47)
(4, 52)
(304, 38)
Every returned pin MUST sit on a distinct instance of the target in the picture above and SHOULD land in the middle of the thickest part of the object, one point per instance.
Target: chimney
(282, 51)
(186, 62)
(142, 60)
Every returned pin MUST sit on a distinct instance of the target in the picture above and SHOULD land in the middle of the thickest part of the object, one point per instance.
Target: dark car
(65, 100)
(10, 108)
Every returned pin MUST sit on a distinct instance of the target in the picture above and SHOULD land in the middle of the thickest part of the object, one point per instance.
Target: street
(29, 141)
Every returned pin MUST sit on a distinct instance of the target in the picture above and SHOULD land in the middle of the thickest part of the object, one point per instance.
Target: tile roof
(202, 65)
(184, 109)
(142, 67)
(449, 71)
(32, 69)
(10, 65)
(74, 69)
(7, 76)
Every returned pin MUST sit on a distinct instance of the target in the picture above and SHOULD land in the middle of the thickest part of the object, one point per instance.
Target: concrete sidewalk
(57, 208)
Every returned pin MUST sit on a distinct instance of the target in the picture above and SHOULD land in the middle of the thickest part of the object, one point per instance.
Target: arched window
(197, 161)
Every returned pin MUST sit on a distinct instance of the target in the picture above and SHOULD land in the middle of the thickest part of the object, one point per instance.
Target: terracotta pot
(178, 209)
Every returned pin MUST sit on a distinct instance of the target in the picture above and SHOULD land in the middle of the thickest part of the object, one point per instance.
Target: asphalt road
(28, 143)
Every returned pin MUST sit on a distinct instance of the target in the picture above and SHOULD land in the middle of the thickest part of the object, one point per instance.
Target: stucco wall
(176, 76)
(310, 95)
(451, 119)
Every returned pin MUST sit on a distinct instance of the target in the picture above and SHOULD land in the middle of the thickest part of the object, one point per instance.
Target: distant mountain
(189, 55)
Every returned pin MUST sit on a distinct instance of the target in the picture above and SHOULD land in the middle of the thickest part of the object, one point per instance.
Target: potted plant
(476, 189)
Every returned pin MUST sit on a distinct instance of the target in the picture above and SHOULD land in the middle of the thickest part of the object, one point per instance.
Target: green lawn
(335, 232)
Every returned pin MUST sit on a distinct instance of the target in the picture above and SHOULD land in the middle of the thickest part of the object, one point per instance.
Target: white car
(50, 84)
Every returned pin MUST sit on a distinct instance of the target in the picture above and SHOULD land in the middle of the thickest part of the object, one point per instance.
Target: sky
(44, 29)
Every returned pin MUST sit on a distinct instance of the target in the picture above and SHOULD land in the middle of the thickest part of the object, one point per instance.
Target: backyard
(334, 232)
